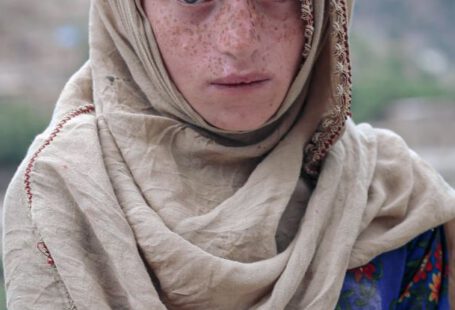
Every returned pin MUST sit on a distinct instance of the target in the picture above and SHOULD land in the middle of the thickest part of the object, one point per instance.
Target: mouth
(241, 81)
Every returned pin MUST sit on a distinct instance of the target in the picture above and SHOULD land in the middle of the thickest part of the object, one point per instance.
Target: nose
(237, 24)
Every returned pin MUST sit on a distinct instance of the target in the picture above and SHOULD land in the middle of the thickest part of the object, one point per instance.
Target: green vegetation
(2, 291)
(19, 124)
(383, 77)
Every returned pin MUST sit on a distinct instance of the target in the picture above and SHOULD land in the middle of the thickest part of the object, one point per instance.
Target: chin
(239, 123)
(237, 114)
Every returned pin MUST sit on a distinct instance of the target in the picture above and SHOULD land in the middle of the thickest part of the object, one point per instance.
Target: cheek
(291, 32)
(286, 41)
(289, 29)
(173, 38)
(189, 49)
(293, 38)
(185, 48)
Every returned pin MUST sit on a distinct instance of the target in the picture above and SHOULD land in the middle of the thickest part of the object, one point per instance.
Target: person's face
(233, 60)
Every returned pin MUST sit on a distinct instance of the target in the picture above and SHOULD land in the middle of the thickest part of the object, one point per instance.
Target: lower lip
(240, 87)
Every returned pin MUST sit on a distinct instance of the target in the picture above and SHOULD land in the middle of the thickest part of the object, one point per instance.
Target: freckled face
(233, 60)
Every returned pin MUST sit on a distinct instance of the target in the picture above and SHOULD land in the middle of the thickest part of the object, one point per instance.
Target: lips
(241, 80)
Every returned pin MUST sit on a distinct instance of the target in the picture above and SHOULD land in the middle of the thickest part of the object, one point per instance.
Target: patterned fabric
(411, 277)
(333, 123)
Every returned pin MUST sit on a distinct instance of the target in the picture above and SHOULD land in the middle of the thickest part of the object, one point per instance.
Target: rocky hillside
(43, 42)
(419, 21)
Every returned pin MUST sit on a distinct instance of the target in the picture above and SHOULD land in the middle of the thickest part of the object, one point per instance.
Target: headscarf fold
(144, 205)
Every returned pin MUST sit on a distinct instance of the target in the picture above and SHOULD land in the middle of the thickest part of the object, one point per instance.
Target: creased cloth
(143, 205)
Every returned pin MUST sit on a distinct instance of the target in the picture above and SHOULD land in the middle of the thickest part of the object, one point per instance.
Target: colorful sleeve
(411, 277)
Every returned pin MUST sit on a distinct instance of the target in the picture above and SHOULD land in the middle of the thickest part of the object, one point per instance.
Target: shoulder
(29, 278)
(387, 141)
(68, 142)
(377, 150)
(385, 151)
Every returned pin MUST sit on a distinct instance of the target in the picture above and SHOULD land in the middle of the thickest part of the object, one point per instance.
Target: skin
(233, 60)
(213, 39)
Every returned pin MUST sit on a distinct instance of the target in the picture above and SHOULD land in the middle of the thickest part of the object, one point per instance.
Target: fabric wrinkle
(221, 219)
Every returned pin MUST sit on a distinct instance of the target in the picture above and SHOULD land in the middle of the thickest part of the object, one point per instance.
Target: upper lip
(235, 79)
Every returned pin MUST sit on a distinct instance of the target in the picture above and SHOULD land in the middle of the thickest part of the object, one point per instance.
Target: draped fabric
(133, 201)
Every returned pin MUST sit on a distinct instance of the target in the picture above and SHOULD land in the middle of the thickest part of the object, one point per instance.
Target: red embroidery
(27, 182)
(308, 17)
(331, 126)
(27, 177)
(43, 249)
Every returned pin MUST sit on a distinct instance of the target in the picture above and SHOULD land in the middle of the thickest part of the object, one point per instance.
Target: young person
(204, 158)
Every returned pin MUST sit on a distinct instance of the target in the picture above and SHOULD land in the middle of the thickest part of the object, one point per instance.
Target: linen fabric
(130, 200)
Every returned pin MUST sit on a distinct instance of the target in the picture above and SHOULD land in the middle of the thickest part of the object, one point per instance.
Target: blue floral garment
(414, 276)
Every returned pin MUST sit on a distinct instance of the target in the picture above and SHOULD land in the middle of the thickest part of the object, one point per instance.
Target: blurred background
(403, 69)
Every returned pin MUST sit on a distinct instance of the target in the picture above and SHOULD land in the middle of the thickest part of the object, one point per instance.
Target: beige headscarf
(138, 203)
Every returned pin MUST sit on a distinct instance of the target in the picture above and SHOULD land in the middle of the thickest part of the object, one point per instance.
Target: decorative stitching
(27, 177)
(308, 17)
(331, 126)
(43, 249)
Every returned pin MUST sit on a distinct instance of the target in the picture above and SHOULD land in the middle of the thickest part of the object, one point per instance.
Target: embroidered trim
(43, 249)
(308, 17)
(27, 179)
(27, 176)
(331, 126)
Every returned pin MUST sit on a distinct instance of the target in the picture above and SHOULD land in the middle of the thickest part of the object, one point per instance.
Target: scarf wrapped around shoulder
(130, 200)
